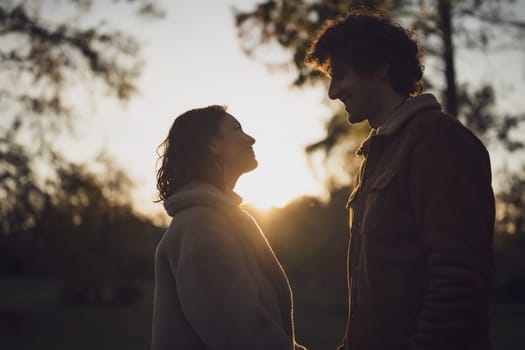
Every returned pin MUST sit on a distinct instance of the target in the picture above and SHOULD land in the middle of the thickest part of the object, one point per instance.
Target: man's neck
(391, 103)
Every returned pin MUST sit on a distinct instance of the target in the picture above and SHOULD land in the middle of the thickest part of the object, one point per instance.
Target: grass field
(30, 317)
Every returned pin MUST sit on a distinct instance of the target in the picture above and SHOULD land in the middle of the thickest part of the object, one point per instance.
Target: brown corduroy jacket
(422, 219)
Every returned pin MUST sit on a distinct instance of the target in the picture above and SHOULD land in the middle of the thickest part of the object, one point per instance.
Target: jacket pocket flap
(383, 180)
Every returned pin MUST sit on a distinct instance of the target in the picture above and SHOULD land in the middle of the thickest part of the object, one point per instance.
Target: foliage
(86, 233)
(61, 219)
(40, 60)
(21, 196)
(511, 203)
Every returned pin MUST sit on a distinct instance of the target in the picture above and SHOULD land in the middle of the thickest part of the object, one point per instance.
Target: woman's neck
(230, 182)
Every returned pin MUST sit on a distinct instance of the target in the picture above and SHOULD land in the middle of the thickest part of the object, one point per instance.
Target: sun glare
(275, 183)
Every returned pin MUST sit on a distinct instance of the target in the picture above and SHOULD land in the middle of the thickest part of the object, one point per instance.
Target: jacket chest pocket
(381, 205)
(382, 181)
(388, 217)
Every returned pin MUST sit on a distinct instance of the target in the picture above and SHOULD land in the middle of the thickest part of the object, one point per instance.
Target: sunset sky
(192, 59)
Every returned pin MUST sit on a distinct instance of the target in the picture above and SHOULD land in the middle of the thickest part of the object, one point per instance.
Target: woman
(218, 284)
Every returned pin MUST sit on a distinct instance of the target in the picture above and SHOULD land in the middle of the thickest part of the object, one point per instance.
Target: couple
(421, 216)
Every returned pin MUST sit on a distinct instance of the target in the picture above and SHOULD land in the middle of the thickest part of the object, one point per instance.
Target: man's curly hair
(369, 40)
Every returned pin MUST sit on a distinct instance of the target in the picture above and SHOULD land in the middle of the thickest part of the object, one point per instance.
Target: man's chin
(351, 119)
(354, 118)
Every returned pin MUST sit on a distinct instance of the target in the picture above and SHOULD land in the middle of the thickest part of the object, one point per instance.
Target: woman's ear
(214, 146)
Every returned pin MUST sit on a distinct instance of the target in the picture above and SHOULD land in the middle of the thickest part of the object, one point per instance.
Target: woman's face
(233, 147)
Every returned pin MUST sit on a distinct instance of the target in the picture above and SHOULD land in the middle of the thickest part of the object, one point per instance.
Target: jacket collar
(198, 193)
(402, 115)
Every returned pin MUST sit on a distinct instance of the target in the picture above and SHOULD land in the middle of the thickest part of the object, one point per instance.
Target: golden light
(282, 174)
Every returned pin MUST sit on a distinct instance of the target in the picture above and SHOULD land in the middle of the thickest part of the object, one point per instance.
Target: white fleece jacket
(218, 284)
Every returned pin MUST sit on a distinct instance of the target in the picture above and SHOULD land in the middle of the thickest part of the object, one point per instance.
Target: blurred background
(88, 89)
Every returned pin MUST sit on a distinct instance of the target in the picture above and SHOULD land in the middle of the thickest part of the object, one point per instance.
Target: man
(422, 209)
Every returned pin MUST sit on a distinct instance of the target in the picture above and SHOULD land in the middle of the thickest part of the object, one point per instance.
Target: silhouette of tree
(302, 232)
(512, 201)
(61, 219)
(91, 236)
(509, 244)
(41, 60)
(21, 197)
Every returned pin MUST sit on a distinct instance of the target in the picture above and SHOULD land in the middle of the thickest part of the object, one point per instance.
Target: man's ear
(382, 72)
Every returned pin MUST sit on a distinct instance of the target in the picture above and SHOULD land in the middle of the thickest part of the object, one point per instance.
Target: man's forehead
(338, 65)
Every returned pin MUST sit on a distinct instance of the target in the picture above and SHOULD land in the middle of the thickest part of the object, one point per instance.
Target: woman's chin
(253, 165)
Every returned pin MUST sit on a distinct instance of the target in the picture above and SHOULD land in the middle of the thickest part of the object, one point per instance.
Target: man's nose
(333, 90)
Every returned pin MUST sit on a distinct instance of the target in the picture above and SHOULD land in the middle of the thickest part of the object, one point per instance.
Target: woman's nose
(250, 139)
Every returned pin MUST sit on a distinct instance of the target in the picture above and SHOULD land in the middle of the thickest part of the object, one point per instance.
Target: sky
(193, 58)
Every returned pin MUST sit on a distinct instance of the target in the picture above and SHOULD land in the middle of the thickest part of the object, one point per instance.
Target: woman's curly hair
(369, 40)
(184, 154)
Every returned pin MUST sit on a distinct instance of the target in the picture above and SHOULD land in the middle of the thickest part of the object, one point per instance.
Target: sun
(279, 178)
(262, 198)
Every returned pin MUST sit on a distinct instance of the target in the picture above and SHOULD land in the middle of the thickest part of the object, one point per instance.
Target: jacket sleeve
(451, 188)
(217, 292)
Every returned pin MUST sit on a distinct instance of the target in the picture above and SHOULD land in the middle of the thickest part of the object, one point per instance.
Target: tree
(22, 198)
(509, 243)
(41, 61)
(59, 218)
(442, 25)
(511, 202)
(85, 232)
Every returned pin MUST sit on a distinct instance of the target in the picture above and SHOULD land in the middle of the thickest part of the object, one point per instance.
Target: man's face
(360, 93)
